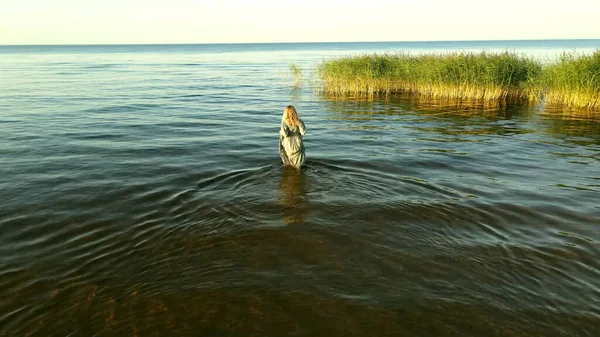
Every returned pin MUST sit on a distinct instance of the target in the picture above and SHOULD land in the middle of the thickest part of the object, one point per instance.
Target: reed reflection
(292, 195)
(448, 118)
(577, 126)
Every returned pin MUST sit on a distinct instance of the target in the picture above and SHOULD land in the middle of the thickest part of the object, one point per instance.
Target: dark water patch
(69, 73)
(576, 187)
(222, 313)
(124, 108)
(102, 66)
(190, 96)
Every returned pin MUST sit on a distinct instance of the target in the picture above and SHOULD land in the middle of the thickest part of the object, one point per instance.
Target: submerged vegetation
(297, 73)
(463, 76)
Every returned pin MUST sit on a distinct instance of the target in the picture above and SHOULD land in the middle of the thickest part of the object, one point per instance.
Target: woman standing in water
(291, 146)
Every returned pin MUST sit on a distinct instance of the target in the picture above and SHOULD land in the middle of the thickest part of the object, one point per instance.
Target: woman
(291, 146)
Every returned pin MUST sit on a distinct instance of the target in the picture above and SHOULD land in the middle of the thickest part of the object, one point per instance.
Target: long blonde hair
(290, 116)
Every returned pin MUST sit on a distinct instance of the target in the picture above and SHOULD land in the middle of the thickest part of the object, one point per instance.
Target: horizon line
(293, 42)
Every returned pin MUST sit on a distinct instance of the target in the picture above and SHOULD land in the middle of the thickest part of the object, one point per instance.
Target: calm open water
(141, 194)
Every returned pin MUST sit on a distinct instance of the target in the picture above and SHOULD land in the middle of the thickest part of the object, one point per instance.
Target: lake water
(142, 194)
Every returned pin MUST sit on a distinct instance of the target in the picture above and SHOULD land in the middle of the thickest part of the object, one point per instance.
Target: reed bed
(454, 76)
(573, 81)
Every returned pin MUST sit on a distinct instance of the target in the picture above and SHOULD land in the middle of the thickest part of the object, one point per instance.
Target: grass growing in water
(454, 76)
(573, 82)
(296, 72)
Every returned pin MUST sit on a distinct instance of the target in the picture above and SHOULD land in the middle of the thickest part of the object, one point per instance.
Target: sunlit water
(142, 194)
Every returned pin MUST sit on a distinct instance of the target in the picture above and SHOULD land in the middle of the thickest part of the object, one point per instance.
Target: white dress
(291, 146)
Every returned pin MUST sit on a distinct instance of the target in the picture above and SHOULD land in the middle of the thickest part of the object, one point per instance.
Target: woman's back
(291, 145)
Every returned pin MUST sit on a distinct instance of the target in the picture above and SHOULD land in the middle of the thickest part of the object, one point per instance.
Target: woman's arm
(302, 128)
(284, 131)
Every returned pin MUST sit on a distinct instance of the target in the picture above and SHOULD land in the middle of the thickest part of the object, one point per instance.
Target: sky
(250, 21)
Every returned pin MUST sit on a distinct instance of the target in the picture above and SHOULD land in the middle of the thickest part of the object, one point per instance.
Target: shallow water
(142, 194)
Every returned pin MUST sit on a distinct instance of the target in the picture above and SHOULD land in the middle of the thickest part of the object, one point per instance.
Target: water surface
(143, 195)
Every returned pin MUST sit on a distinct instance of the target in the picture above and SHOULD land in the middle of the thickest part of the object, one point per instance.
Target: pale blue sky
(231, 21)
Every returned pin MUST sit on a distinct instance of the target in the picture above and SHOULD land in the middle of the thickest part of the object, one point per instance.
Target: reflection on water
(466, 118)
(577, 127)
(293, 195)
(406, 104)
